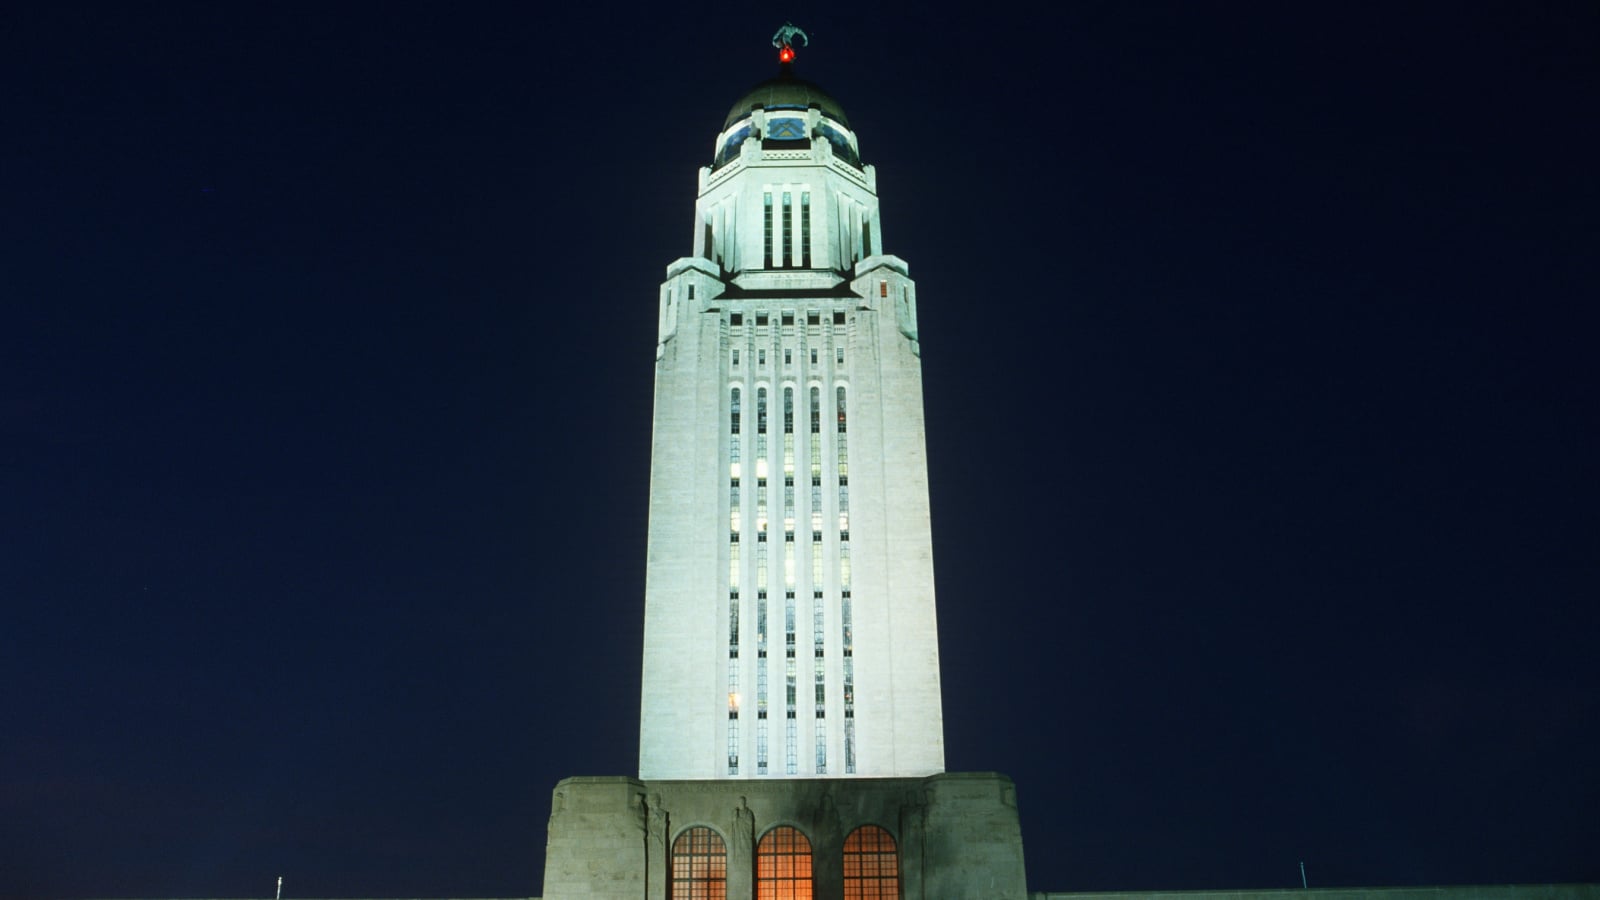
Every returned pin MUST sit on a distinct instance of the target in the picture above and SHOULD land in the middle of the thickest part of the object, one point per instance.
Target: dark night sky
(1259, 356)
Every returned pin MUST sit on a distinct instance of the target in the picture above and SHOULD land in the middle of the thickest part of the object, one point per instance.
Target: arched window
(699, 866)
(783, 865)
(871, 865)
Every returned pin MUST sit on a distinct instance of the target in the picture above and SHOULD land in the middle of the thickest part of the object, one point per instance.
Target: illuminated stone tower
(791, 739)
(789, 604)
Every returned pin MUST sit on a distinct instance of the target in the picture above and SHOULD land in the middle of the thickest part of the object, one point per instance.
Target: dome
(786, 100)
(787, 92)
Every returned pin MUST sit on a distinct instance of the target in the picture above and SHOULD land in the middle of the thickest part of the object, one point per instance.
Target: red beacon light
(784, 41)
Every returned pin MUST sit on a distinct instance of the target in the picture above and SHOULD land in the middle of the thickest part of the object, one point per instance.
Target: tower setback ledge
(692, 263)
(788, 280)
(882, 261)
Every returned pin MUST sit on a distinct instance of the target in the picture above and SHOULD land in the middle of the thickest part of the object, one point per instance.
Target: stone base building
(944, 837)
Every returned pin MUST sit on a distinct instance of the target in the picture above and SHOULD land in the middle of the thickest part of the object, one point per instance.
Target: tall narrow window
(699, 865)
(866, 238)
(761, 581)
(846, 621)
(783, 865)
(819, 680)
(871, 865)
(733, 582)
(805, 229)
(786, 252)
(766, 228)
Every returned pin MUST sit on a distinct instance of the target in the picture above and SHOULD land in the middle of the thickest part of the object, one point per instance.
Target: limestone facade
(790, 624)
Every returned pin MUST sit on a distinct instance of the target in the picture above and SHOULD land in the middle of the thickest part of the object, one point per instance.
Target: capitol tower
(791, 739)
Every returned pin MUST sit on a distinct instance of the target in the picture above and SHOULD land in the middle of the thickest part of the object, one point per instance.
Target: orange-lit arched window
(699, 865)
(871, 865)
(783, 865)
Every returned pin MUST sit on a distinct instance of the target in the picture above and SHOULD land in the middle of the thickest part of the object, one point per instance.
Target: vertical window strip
(805, 229)
(788, 473)
(820, 681)
(766, 203)
(821, 737)
(761, 469)
(733, 717)
(790, 765)
(846, 622)
(761, 721)
(786, 252)
(761, 657)
(733, 582)
(761, 580)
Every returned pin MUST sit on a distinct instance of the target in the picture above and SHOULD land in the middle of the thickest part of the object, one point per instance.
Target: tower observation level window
(766, 228)
(787, 254)
(805, 231)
